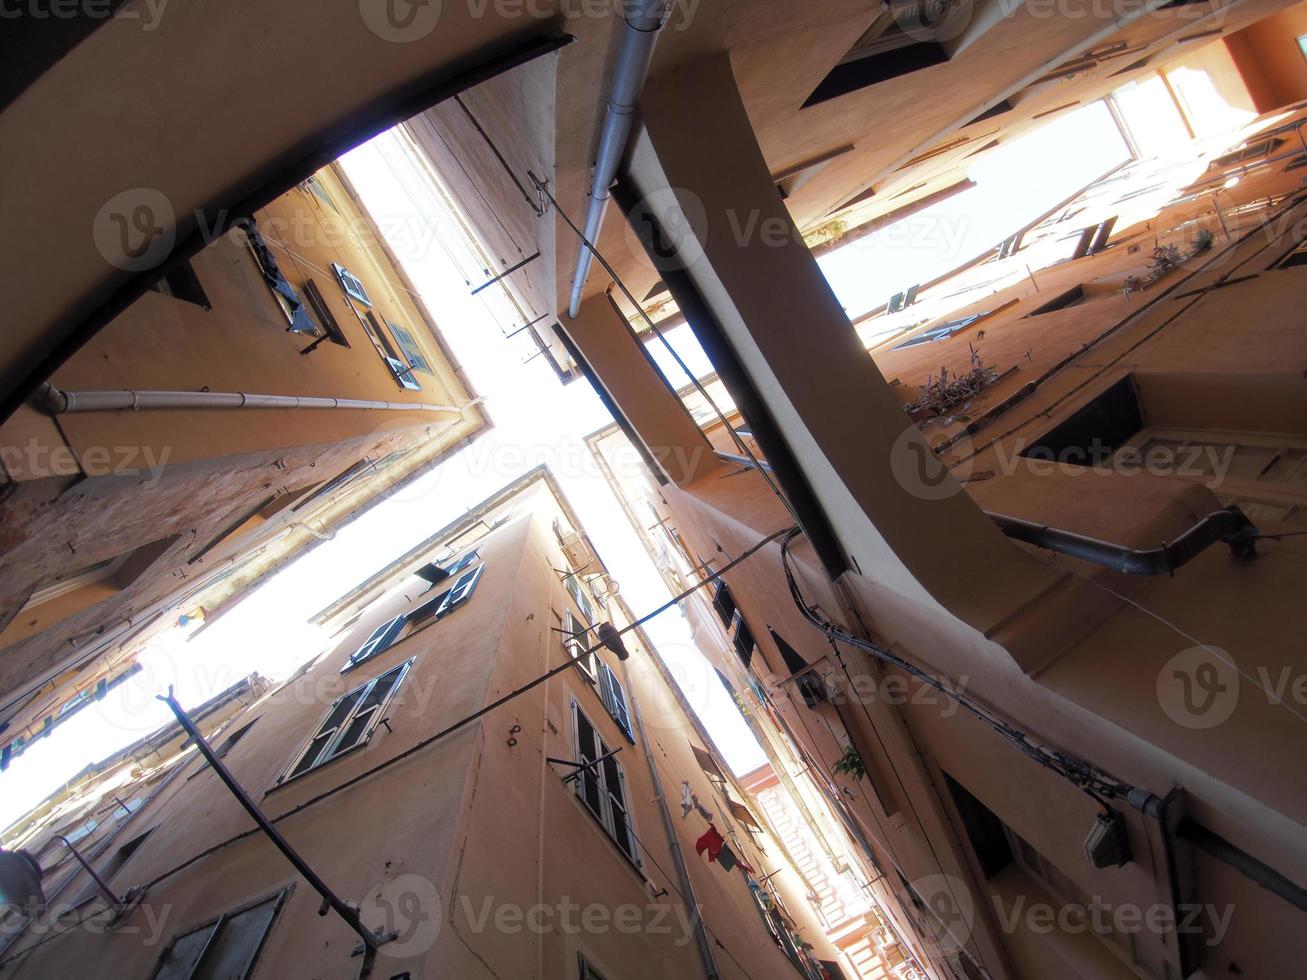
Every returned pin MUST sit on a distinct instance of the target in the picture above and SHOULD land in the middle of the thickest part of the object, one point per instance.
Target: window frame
(600, 773)
(379, 641)
(408, 344)
(351, 285)
(572, 634)
(331, 749)
(389, 353)
(284, 294)
(215, 924)
(460, 591)
(577, 590)
(613, 696)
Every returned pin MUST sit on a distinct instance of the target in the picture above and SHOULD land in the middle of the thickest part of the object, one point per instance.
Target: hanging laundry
(688, 799)
(703, 810)
(735, 861)
(711, 842)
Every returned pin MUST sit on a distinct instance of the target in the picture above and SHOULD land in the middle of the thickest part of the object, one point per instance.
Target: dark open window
(182, 283)
(1074, 295)
(984, 830)
(113, 865)
(997, 109)
(724, 603)
(743, 641)
(323, 313)
(1096, 431)
(876, 67)
(904, 38)
(808, 682)
(943, 331)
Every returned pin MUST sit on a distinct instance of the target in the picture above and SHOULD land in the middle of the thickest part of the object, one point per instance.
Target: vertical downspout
(639, 35)
(682, 873)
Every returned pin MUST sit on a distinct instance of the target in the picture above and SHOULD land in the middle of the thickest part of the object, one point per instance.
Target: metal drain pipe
(57, 402)
(1229, 524)
(643, 23)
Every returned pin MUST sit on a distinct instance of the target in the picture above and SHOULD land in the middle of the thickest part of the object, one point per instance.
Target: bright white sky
(1015, 184)
(536, 420)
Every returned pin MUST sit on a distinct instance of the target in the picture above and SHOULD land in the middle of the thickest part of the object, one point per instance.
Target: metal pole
(691, 902)
(507, 272)
(329, 898)
(100, 885)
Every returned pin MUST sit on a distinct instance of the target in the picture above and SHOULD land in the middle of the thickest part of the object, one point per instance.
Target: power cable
(1088, 779)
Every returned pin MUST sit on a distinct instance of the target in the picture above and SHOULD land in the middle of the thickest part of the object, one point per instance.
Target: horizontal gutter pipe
(58, 402)
(1230, 525)
(643, 24)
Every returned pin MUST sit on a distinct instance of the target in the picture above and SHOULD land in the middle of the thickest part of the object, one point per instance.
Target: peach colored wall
(1268, 53)
(476, 819)
(1088, 674)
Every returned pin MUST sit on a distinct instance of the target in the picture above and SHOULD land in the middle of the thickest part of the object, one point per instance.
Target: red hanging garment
(712, 842)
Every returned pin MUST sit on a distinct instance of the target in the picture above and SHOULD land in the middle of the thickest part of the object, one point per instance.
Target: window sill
(282, 783)
(630, 862)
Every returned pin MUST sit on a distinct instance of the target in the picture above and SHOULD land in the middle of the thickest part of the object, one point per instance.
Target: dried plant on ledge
(942, 394)
(1166, 259)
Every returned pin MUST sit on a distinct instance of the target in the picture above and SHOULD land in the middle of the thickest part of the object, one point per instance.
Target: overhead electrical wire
(1090, 780)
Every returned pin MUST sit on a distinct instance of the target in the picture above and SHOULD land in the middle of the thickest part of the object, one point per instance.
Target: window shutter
(620, 822)
(320, 744)
(614, 698)
(462, 563)
(350, 283)
(382, 637)
(573, 584)
(575, 643)
(351, 720)
(272, 275)
(226, 948)
(461, 590)
(409, 345)
(587, 750)
(368, 712)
